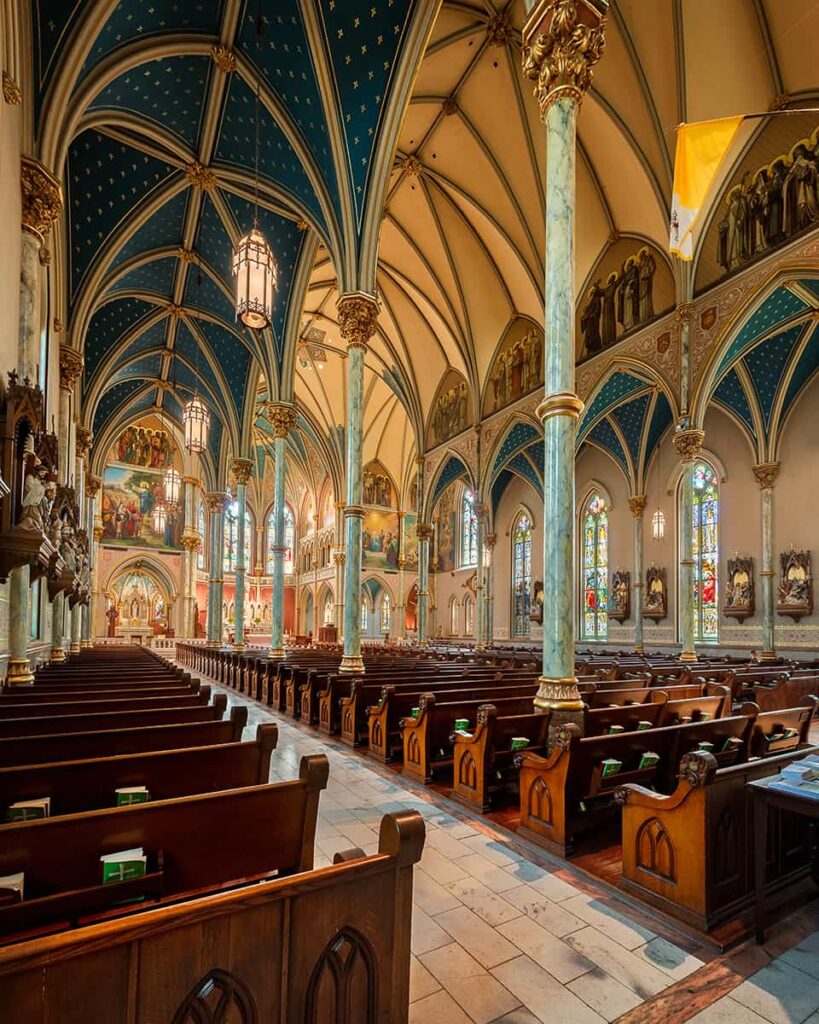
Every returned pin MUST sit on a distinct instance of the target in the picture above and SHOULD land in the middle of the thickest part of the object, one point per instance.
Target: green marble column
(489, 583)
(425, 532)
(637, 505)
(688, 442)
(19, 670)
(559, 49)
(480, 579)
(283, 419)
(242, 471)
(57, 624)
(217, 503)
(766, 474)
(357, 316)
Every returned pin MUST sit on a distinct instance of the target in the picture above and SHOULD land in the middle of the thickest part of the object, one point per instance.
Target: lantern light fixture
(173, 486)
(196, 420)
(160, 516)
(658, 525)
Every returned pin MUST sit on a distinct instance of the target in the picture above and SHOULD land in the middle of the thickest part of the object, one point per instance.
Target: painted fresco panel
(379, 540)
(128, 499)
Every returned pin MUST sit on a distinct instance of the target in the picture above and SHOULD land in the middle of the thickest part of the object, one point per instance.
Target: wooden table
(766, 796)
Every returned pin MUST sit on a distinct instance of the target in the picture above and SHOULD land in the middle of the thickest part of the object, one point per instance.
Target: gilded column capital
(340, 557)
(83, 442)
(490, 540)
(190, 541)
(637, 505)
(688, 443)
(242, 470)
(92, 486)
(224, 58)
(191, 481)
(561, 403)
(282, 418)
(562, 41)
(42, 198)
(766, 474)
(99, 533)
(216, 501)
(357, 318)
(71, 366)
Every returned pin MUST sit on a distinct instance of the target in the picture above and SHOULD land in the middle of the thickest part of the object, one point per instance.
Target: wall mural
(379, 541)
(378, 488)
(144, 446)
(446, 541)
(772, 197)
(411, 542)
(518, 366)
(450, 410)
(128, 500)
(631, 285)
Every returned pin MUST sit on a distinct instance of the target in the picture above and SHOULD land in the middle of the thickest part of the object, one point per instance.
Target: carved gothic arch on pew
(219, 998)
(343, 987)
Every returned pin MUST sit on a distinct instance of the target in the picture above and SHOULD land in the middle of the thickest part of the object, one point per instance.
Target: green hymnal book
(615, 729)
(124, 864)
(518, 743)
(611, 766)
(414, 713)
(648, 760)
(705, 746)
(132, 795)
(29, 810)
(11, 888)
(643, 725)
(790, 732)
(461, 725)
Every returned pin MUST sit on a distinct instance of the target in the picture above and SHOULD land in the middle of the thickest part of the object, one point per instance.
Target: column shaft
(480, 581)
(688, 442)
(766, 474)
(277, 632)
(424, 536)
(216, 508)
(352, 661)
(19, 670)
(239, 588)
(637, 504)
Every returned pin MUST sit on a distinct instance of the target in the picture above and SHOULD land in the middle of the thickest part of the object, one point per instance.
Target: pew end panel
(417, 760)
(238, 719)
(543, 796)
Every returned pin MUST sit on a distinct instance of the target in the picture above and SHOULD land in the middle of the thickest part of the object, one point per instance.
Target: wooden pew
(76, 786)
(483, 761)
(82, 745)
(191, 843)
(29, 695)
(785, 692)
(269, 952)
(58, 708)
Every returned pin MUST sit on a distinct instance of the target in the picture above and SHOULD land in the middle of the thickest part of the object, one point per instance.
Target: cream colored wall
(517, 496)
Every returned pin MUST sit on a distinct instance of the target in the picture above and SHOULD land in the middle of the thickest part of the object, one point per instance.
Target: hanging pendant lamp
(173, 486)
(195, 415)
(160, 516)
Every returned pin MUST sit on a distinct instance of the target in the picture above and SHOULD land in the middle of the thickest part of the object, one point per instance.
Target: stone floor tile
(492, 876)
(442, 841)
(487, 945)
(780, 993)
(539, 992)
(805, 956)
(675, 962)
(421, 981)
(440, 868)
(554, 887)
(488, 905)
(439, 1008)
(727, 1011)
(430, 895)
(631, 970)
(560, 960)
(495, 850)
(552, 916)
(605, 994)
(426, 934)
(469, 984)
(608, 921)
(519, 1016)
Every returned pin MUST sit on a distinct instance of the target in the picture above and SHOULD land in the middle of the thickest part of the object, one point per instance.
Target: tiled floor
(498, 938)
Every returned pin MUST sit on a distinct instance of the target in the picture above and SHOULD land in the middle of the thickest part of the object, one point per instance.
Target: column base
(213, 643)
(19, 673)
(688, 656)
(559, 695)
(57, 656)
(767, 656)
(277, 653)
(75, 647)
(352, 664)
(640, 650)
(239, 647)
(86, 644)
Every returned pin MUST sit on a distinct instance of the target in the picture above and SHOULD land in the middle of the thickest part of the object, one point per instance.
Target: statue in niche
(738, 226)
(739, 590)
(34, 493)
(655, 605)
(590, 319)
(795, 597)
(620, 597)
(801, 206)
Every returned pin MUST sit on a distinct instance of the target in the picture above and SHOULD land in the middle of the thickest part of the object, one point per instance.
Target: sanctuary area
(409, 431)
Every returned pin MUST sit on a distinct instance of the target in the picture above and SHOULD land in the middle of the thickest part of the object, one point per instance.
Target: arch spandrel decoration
(451, 411)
(343, 987)
(219, 998)
(517, 368)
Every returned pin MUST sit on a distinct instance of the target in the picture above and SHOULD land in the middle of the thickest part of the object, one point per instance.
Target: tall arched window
(231, 535)
(595, 569)
(469, 615)
(200, 526)
(521, 575)
(386, 614)
(454, 617)
(365, 615)
(289, 540)
(706, 552)
(469, 530)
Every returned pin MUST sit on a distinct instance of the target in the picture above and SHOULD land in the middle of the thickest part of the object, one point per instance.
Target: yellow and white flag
(701, 148)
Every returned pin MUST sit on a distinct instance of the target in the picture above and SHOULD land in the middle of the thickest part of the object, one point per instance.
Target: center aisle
(495, 936)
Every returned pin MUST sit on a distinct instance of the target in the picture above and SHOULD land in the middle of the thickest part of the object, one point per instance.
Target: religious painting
(411, 542)
(518, 366)
(379, 541)
(655, 605)
(377, 486)
(631, 285)
(412, 501)
(620, 597)
(450, 411)
(129, 498)
(772, 197)
(447, 536)
(739, 590)
(795, 597)
(144, 446)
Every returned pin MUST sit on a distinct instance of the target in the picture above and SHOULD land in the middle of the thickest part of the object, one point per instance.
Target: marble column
(685, 314)
(92, 488)
(489, 583)
(561, 43)
(357, 317)
(282, 418)
(399, 626)
(637, 505)
(19, 669)
(425, 533)
(766, 474)
(190, 542)
(242, 471)
(217, 503)
(339, 563)
(688, 442)
(482, 511)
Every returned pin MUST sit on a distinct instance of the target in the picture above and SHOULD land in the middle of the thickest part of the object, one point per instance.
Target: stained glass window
(469, 616)
(706, 552)
(289, 540)
(454, 617)
(200, 526)
(386, 614)
(231, 534)
(469, 530)
(365, 615)
(521, 575)
(595, 570)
